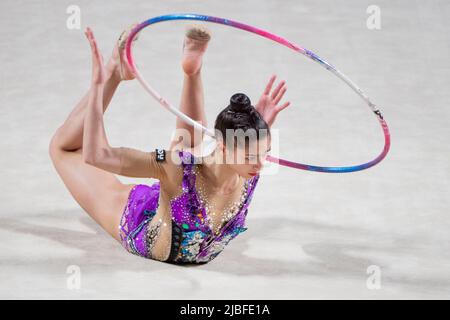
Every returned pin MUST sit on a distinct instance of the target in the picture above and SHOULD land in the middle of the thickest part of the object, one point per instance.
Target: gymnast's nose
(260, 163)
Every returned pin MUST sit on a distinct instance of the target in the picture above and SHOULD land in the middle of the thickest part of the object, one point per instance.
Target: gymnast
(198, 204)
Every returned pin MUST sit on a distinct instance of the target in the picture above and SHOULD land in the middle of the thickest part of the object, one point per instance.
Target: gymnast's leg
(192, 98)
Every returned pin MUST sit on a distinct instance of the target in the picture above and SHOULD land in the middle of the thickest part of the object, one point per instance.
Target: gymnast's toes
(118, 57)
(198, 32)
(194, 46)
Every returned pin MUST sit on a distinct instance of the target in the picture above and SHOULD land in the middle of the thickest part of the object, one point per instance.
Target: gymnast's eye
(249, 157)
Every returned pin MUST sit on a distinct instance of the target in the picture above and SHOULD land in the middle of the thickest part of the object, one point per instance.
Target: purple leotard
(192, 239)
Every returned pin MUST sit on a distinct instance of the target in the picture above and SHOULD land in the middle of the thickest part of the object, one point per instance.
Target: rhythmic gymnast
(199, 204)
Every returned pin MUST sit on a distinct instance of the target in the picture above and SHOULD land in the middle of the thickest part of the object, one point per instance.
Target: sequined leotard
(192, 241)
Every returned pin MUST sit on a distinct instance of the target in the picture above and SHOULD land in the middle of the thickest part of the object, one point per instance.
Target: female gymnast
(198, 204)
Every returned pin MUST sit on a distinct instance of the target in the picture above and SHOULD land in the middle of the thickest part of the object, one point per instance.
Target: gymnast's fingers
(283, 106)
(269, 85)
(86, 33)
(89, 37)
(279, 95)
(277, 90)
(93, 43)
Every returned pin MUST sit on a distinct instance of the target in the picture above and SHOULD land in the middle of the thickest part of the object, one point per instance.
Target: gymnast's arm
(96, 148)
(159, 164)
(122, 160)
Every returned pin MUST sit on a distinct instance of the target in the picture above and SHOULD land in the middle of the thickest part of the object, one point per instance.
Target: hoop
(280, 40)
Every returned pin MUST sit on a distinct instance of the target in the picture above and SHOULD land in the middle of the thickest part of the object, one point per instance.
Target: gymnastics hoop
(280, 40)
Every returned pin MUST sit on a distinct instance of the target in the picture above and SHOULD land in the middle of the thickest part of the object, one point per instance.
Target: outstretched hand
(98, 68)
(267, 105)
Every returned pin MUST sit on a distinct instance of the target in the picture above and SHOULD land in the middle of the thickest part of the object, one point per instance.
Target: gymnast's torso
(176, 221)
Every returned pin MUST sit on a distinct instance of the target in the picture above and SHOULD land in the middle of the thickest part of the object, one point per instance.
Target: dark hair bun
(240, 102)
(240, 115)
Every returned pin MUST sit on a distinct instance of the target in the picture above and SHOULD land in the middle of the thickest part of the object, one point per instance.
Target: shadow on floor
(328, 251)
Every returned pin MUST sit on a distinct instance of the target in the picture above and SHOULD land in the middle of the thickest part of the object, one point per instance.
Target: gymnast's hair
(240, 114)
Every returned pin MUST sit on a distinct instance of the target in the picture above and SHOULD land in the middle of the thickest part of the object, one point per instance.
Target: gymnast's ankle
(113, 72)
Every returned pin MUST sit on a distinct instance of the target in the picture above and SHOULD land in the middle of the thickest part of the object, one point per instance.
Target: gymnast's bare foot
(118, 64)
(194, 46)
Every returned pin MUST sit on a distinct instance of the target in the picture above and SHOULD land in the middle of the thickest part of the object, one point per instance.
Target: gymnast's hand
(98, 68)
(267, 105)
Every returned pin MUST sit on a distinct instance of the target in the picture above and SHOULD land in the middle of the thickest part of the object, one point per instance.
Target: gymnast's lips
(253, 173)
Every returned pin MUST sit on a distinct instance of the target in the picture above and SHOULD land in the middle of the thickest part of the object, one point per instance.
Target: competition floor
(311, 235)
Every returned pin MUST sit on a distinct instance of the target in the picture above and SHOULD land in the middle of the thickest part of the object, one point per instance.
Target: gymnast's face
(249, 161)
